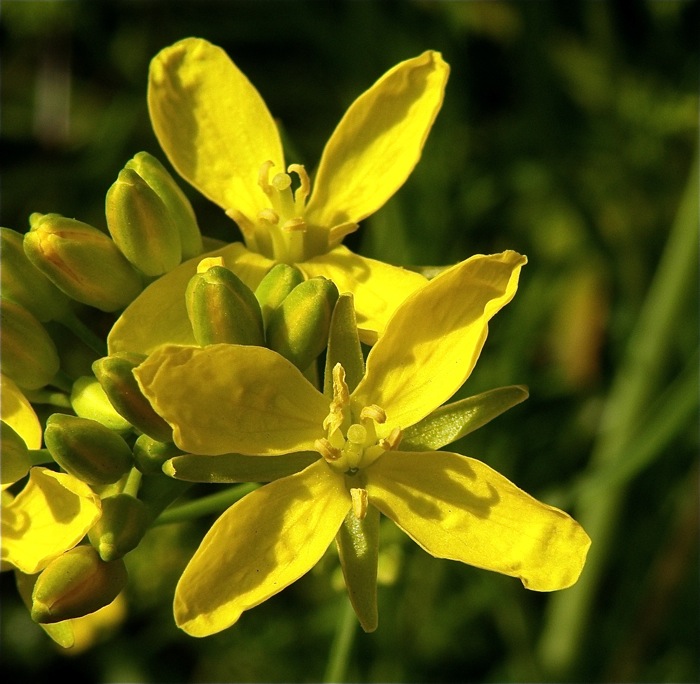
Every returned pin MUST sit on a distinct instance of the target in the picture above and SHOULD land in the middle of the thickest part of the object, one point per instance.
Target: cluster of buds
(65, 275)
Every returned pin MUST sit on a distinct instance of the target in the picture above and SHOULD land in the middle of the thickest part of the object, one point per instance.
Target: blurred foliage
(569, 132)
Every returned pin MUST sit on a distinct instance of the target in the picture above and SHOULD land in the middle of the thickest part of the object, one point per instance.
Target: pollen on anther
(327, 450)
(375, 413)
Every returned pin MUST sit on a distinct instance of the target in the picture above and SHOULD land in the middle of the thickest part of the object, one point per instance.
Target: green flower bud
(29, 355)
(141, 225)
(298, 328)
(150, 454)
(279, 281)
(115, 375)
(75, 584)
(82, 261)
(23, 283)
(121, 526)
(181, 212)
(15, 462)
(86, 449)
(89, 400)
(221, 308)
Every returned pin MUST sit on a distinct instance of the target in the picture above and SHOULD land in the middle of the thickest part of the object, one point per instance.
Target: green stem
(339, 656)
(633, 387)
(214, 503)
(84, 333)
(133, 482)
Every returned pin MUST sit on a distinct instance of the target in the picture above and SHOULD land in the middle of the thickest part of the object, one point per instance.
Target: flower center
(352, 442)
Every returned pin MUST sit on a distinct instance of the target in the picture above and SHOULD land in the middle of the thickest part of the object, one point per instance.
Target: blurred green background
(569, 132)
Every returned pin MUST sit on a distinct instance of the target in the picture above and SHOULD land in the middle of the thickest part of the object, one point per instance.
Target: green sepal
(150, 454)
(81, 261)
(344, 345)
(76, 583)
(233, 468)
(141, 225)
(298, 327)
(29, 355)
(25, 284)
(453, 421)
(16, 461)
(89, 400)
(279, 281)
(358, 549)
(121, 526)
(221, 308)
(86, 449)
(115, 374)
(181, 212)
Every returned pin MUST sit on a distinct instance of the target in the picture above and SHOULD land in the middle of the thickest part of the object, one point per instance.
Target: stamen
(302, 192)
(337, 233)
(392, 441)
(375, 413)
(360, 501)
(327, 450)
(294, 225)
(264, 177)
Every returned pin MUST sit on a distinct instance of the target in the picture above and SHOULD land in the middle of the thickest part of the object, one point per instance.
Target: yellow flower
(219, 135)
(53, 511)
(453, 506)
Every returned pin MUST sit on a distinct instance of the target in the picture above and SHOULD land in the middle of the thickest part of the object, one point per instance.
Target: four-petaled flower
(219, 135)
(229, 398)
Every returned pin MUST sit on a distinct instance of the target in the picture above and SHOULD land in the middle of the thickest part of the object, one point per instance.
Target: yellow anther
(327, 450)
(393, 440)
(268, 216)
(374, 412)
(302, 192)
(360, 501)
(294, 225)
(264, 176)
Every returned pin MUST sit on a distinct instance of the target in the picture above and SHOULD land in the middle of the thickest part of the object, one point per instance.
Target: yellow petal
(378, 142)
(434, 339)
(49, 516)
(159, 314)
(18, 413)
(378, 288)
(259, 546)
(212, 124)
(458, 508)
(227, 398)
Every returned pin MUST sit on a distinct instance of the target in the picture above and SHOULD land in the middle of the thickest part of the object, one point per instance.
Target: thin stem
(84, 333)
(214, 503)
(339, 656)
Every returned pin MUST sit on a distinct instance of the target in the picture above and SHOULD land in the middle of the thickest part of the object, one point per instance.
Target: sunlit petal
(378, 288)
(434, 339)
(378, 142)
(212, 123)
(18, 413)
(458, 508)
(50, 515)
(159, 315)
(259, 546)
(227, 398)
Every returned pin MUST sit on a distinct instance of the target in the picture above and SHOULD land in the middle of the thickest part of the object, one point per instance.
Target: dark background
(569, 132)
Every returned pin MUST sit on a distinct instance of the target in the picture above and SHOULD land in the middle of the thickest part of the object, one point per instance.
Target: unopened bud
(115, 375)
(29, 355)
(279, 281)
(89, 400)
(15, 461)
(141, 225)
(221, 308)
(298, 328)
(121, 526)
(25, 284)
(82, 261)
(86, 449)
(150, 454)
(75, 584)
(179, 207)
